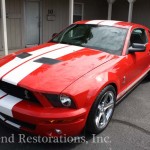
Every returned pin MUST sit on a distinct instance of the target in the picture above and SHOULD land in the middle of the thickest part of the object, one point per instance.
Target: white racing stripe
(17, 61)
(108, 23)
(94, 22)
(13, 124)
(24, 70)
(21, 72)
(47, 49)
(2, 118)
(62, 52)
(2, 93)
(7, 103)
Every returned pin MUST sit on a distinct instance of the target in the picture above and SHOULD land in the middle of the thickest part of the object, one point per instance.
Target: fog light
(58, 131)
(65, 100)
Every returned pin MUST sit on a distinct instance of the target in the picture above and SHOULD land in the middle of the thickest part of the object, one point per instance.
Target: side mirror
(54, 35)
(137, 48)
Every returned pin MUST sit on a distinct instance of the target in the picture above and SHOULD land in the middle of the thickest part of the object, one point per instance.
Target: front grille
(18, 122)
(18, 92)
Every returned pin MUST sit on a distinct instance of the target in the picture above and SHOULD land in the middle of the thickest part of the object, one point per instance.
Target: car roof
(110, 23)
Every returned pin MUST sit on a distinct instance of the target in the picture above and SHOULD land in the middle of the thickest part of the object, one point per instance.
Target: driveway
(128, 130)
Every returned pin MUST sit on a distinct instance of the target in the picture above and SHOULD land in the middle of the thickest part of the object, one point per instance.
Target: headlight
(65, 100)
(60, 100)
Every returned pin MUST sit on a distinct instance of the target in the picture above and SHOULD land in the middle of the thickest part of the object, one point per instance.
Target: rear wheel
(102, 110)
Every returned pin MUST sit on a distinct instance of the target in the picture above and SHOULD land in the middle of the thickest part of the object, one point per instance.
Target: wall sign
(51, 15)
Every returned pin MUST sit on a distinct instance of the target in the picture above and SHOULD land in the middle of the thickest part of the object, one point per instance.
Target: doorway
(32, 21)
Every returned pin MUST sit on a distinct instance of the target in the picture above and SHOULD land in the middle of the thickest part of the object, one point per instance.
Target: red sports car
(74, 81)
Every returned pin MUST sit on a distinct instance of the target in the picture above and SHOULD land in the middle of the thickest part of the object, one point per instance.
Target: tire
(100, 116)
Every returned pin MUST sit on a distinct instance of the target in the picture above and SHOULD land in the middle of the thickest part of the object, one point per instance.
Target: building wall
(96, 9)
(141, 12)
(14, 23)
(120, 10)
(16, 26)
(61, 11)
(1, 40)
(92, 10)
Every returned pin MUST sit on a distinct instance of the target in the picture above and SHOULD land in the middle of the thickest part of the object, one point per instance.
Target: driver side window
(138, 36)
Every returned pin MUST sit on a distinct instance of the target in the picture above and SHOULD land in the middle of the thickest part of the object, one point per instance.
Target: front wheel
(102, 110)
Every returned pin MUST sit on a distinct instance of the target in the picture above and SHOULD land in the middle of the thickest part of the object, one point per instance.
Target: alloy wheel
(105, 110)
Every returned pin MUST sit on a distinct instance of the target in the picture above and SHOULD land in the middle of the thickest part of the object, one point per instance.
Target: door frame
(24, 25)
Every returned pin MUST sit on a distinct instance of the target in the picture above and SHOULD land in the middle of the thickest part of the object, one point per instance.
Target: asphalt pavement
(128, 130)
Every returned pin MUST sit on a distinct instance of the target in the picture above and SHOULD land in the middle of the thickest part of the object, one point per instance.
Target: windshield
(104, 38)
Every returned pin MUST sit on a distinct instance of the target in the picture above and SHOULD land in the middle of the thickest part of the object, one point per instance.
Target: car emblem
(26, 93)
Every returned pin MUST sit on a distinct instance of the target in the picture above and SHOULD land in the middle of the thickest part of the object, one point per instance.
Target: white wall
(141, 12)
(120, 10)
(94, 9)
(61, 10)
(14, 24)
(15, 18)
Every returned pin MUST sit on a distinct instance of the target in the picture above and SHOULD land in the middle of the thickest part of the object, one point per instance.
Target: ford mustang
(73, 82)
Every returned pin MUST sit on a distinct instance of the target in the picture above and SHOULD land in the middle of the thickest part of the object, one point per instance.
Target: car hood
(50, 67)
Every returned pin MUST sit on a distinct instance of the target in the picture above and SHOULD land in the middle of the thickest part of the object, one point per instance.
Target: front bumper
(37, 120)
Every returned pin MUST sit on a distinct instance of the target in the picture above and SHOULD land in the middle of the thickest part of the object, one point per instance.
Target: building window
(78, 12)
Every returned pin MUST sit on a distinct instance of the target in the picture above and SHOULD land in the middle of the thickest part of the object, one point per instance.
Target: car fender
(85, 90)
